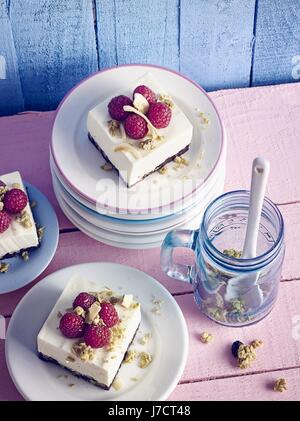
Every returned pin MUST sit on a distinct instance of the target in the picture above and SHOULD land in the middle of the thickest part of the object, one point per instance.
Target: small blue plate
(21, 273)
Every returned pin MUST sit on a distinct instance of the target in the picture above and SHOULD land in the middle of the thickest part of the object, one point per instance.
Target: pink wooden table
(259, 121)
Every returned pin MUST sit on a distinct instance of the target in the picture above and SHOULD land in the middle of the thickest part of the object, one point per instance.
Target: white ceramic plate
(218, 177)
(37, 380)
(122, 227)
(79, 163)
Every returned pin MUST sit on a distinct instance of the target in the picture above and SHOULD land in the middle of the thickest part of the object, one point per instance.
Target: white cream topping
(105, 364)
(17, 237)
(175, 137)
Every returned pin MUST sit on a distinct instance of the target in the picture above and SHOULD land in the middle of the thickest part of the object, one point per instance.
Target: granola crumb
(1, 206)
(256, 343)
(24, 219)
(33, 204)
(163, 170)
(79, 311)
(25, 256)
(71, 384)
(117, 384)
(130, 356)
(83, 351)
(114, 128)
(59, 314)
(206, 337)
(246, 355)
(145, 338)
(280, 385)
(16, 186)
(167, 99)
(237, 254)
(204, 119)
(107, 166)
(40, 232)
(144, 359)
(4, 267)
(134, 379)
(70, 359)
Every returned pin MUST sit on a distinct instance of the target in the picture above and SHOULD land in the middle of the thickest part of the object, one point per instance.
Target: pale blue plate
(21, 273)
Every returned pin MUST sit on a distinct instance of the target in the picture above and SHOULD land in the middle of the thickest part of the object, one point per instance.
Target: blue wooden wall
(47, 46)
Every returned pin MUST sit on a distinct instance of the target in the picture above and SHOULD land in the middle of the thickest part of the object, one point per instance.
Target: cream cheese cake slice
(134, 159)
(17, 229)
(90, 339)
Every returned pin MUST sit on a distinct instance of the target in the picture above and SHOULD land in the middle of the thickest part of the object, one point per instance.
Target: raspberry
(96, 336)
(146, 92)
(71, 325)
(5, 221)
(159, 114)
(84, 300)
(15, 201)
(135, 126)
(235, 348)
(115, 107)
(108, 314)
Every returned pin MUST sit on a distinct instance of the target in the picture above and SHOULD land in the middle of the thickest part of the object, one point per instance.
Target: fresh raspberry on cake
(160, 115)
(84, 300)
(135, 126)
(146, 92)
(71, 325)
(108, 314)
(115, 107)
(5, 221)
(15, 201)
(96, 336)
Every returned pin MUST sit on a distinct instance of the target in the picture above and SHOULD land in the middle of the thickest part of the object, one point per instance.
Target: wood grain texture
(280, 347)
(131, 31)
(263, 122)
(216, 39)
(258, 387)
(11, 97)
(56, 48)
(75, 247)
(276, 53)
(208, 365)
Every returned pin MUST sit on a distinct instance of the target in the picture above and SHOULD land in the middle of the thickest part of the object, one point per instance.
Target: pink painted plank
(26, 139)
(258, 387)
(8, 392)
(291, 216)
(281, 348)
(208, 362)
(77, 248)
(263, 121)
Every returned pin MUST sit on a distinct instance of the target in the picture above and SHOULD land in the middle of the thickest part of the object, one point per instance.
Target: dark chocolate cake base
(81, 376)
(171, 158)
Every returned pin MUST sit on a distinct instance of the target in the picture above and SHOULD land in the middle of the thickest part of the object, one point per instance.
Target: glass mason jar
(229, 289)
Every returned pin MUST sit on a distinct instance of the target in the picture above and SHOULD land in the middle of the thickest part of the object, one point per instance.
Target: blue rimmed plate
(21, 273)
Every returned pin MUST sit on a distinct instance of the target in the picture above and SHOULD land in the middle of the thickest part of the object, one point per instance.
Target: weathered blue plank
(56, 47)
(216, 40)
(277, 45)
(135, 31)
(11, 99)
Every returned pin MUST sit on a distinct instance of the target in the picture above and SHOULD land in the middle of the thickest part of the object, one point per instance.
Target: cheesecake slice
(19, 231)
(107, 323)
(133, 158)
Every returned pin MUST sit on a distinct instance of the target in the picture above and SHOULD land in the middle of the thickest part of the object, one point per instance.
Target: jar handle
(178, 238)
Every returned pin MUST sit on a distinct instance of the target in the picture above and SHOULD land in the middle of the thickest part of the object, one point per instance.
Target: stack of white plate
(98, 202)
